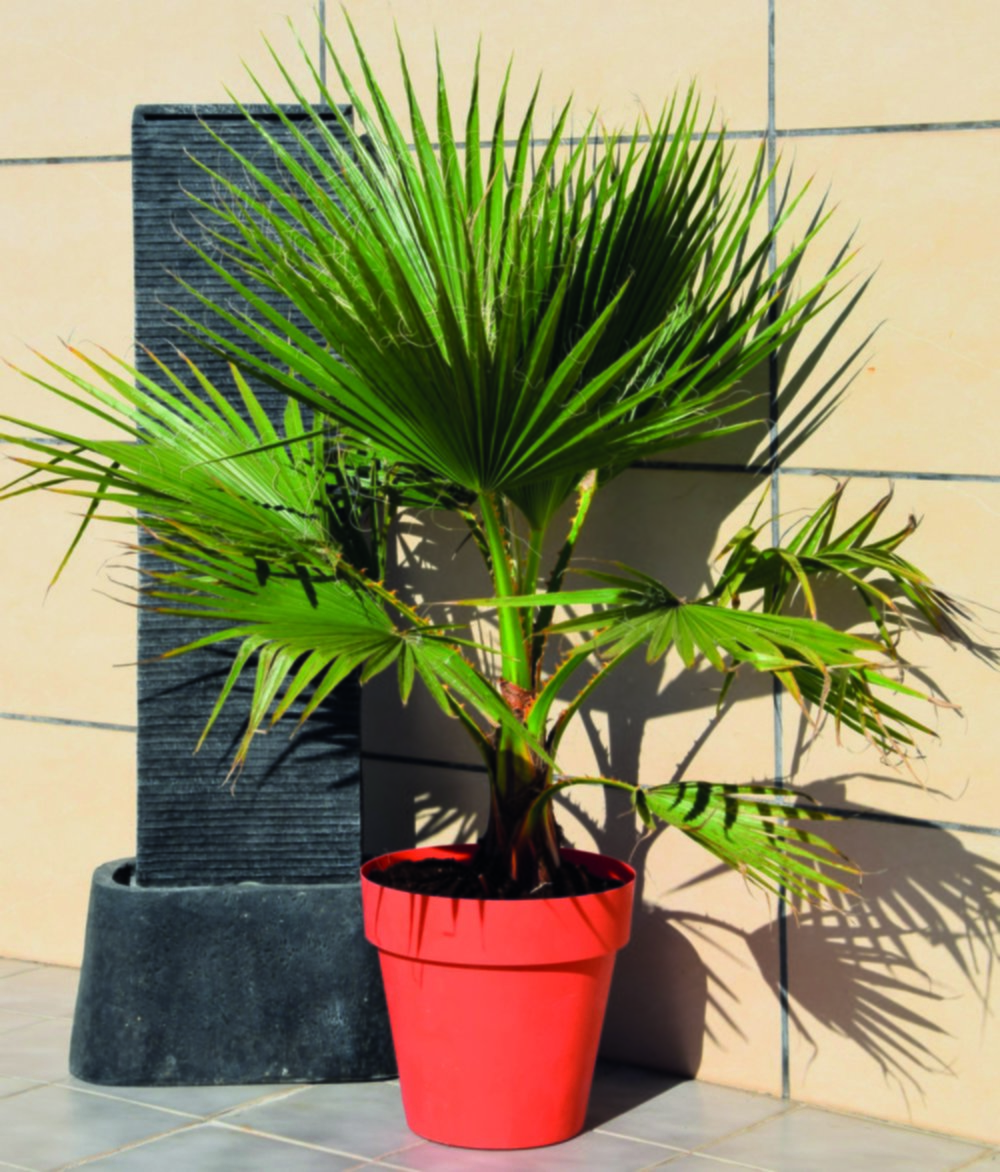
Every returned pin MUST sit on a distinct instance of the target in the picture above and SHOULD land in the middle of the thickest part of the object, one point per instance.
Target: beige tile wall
(887, 1002)
(69, 805)
(73, 279)
(890, 1000)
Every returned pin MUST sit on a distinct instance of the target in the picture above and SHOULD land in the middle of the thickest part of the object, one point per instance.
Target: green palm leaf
(837, 672)
(884, 581)
(512, 331)
(487, 332)
(227, 480)
(752, 828)
(303, 631)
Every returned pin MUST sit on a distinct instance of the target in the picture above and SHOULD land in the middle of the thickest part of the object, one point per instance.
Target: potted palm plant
(498, 334)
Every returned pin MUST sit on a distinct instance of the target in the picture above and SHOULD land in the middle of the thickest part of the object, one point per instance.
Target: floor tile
(693, 1162)
(204, 1102)
(9, 967)
(15, 1086)
(692, 1114)
(48, 992)
(619, 1088)
(13, 1021)
(39, 1051)
(222, 1149)
(53, 1126)
(803, 1140)
(590, 1152)
(364, 1119)
(638, 1119)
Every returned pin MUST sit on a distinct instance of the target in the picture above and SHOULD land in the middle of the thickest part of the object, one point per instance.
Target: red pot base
(496, 1006)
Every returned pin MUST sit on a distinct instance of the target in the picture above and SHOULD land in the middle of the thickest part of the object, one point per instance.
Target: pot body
(496, 1006)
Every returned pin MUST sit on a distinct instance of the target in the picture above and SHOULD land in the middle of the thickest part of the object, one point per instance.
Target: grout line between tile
(964, 127)
(35, 1086)
(100, 1093)
(884, 474)
(774, 449)
(724, 1163)
(686, 1151)
(142, 1143)
(29, 718)
(797, 470)
(973, 1161)
(796, 1106)
(849, 815)
(788, 1107)
(30, 1019)
(760, 469)
(385, 1159)
(889, 128)
(638, 1139)
(298, 1143)
(273, 1097)
(59, 160)
(29, 966)
(321, 21)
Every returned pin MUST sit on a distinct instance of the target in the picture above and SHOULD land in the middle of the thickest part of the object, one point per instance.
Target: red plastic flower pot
(496, 1006)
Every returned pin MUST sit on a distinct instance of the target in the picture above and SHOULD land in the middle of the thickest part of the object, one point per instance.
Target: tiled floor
(638, 1119)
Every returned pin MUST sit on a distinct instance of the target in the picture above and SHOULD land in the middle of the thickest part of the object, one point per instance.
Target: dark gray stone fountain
(231, 949)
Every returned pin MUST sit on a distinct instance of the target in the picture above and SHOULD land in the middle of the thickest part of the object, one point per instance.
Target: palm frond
(227, 480)
(891, 589)
(304, 632)
(507, 331)
(755, 830)
(833, 671)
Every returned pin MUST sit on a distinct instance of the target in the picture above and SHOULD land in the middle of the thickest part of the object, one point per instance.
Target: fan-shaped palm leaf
(515, 330)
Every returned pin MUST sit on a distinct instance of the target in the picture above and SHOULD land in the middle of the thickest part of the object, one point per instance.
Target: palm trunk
(519, 852)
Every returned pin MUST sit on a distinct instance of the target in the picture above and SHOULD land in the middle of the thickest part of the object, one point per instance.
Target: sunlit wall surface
(894, 110)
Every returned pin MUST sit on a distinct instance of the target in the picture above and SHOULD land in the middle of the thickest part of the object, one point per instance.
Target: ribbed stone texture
(232, 950)
(293, 815)
(243, 983)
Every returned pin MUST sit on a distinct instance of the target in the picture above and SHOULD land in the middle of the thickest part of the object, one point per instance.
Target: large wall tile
(890, 998)
(623, 60)
(435, 562)
(923, 396)
(749, 444)
(416, 729)
(695, 990)
(72, 76)
(69, 805)
(68, 651)
(66, 242)
(955, 544)
(668, 523)
(408, 805)
(855, 63)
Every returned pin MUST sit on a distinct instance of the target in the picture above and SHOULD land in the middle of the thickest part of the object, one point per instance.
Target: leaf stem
(516, 668)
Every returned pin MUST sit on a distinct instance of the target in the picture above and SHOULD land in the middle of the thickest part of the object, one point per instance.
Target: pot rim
(607, 866)
(497, 932)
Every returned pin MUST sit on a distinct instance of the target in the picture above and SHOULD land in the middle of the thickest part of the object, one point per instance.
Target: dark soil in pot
(461, 879)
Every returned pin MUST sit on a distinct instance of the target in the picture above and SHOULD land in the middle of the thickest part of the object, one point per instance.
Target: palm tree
(497, 334)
